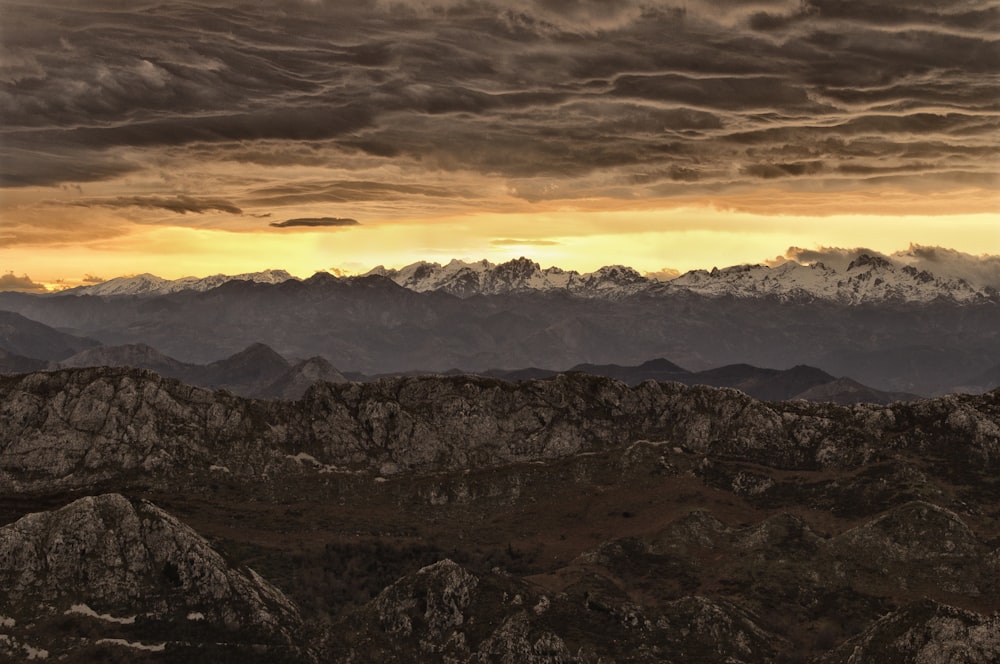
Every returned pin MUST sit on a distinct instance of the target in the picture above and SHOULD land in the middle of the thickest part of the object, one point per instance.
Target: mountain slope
(31, 339)
(768, 384)
(252, 369)
(299, 378)
(14, 363)
(845, 390)
(139, 356)
(104, 570)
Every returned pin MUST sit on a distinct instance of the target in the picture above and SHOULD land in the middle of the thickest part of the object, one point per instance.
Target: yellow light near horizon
(648, 240)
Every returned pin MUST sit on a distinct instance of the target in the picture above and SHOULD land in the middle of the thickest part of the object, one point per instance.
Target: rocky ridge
(72, 427)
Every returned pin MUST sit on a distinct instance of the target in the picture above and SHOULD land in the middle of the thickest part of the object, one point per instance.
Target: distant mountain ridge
(869, 278)
(260, 372)
(150, 284)
(256, 371)
(521, 274)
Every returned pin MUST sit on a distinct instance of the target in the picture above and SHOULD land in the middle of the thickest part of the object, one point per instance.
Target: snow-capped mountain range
(868, 278)
(521, 274)
(150, 284)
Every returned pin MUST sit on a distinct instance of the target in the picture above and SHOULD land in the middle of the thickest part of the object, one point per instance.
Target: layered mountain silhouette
(373, 326)
(256, 371)
(259, 371)
(25, 338)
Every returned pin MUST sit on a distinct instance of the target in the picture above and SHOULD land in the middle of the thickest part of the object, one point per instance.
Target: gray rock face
(593, 521)
(135, 567)
(924, 632)
(74, 427)
(445, 613)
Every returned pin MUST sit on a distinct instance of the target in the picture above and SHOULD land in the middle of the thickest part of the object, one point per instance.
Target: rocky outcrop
(74, 427)
(134, 569)
(925, 631)
(445, 613)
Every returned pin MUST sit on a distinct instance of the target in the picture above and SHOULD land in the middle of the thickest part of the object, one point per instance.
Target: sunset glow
(195, 139)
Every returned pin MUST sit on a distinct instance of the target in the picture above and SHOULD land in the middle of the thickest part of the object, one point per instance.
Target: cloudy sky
(202, 137)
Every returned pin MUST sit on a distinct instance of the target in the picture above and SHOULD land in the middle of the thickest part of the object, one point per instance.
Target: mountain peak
(866, 260)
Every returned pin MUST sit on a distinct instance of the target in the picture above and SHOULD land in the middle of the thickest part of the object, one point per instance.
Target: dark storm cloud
(316, 222)
(648, 97)
(979, 271)
(23, 284)
(178, 204)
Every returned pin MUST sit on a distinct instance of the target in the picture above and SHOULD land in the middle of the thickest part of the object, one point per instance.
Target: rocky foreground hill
(467, 519)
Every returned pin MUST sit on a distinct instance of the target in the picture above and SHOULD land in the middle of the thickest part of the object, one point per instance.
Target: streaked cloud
(315, 222)
(179, 204)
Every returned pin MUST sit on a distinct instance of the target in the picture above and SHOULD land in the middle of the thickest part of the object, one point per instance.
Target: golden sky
(192, 139)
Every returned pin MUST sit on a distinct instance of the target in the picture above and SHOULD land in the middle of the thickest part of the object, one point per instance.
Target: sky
(203, 137)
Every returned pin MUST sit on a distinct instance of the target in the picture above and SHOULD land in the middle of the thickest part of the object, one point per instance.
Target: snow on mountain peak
(867, 278)
(520, 274)
(150, 284)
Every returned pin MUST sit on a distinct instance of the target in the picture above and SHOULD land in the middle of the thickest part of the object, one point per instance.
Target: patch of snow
(7, 622)
(84, 610)
(35, 653)
(135, 645)
(196, 615)
(302, 457)
(219, 469)
(29, 651)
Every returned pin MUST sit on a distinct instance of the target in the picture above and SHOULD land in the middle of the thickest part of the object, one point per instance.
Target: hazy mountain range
(259, 371)
(372, 325)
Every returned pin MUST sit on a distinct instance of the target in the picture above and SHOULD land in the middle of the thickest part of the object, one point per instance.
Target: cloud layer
(979, 271)
(424, 106)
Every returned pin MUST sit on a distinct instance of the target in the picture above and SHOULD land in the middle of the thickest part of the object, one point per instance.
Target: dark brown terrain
(471, 519)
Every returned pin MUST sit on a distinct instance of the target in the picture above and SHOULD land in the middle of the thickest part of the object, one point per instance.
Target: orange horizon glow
(649, 240)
